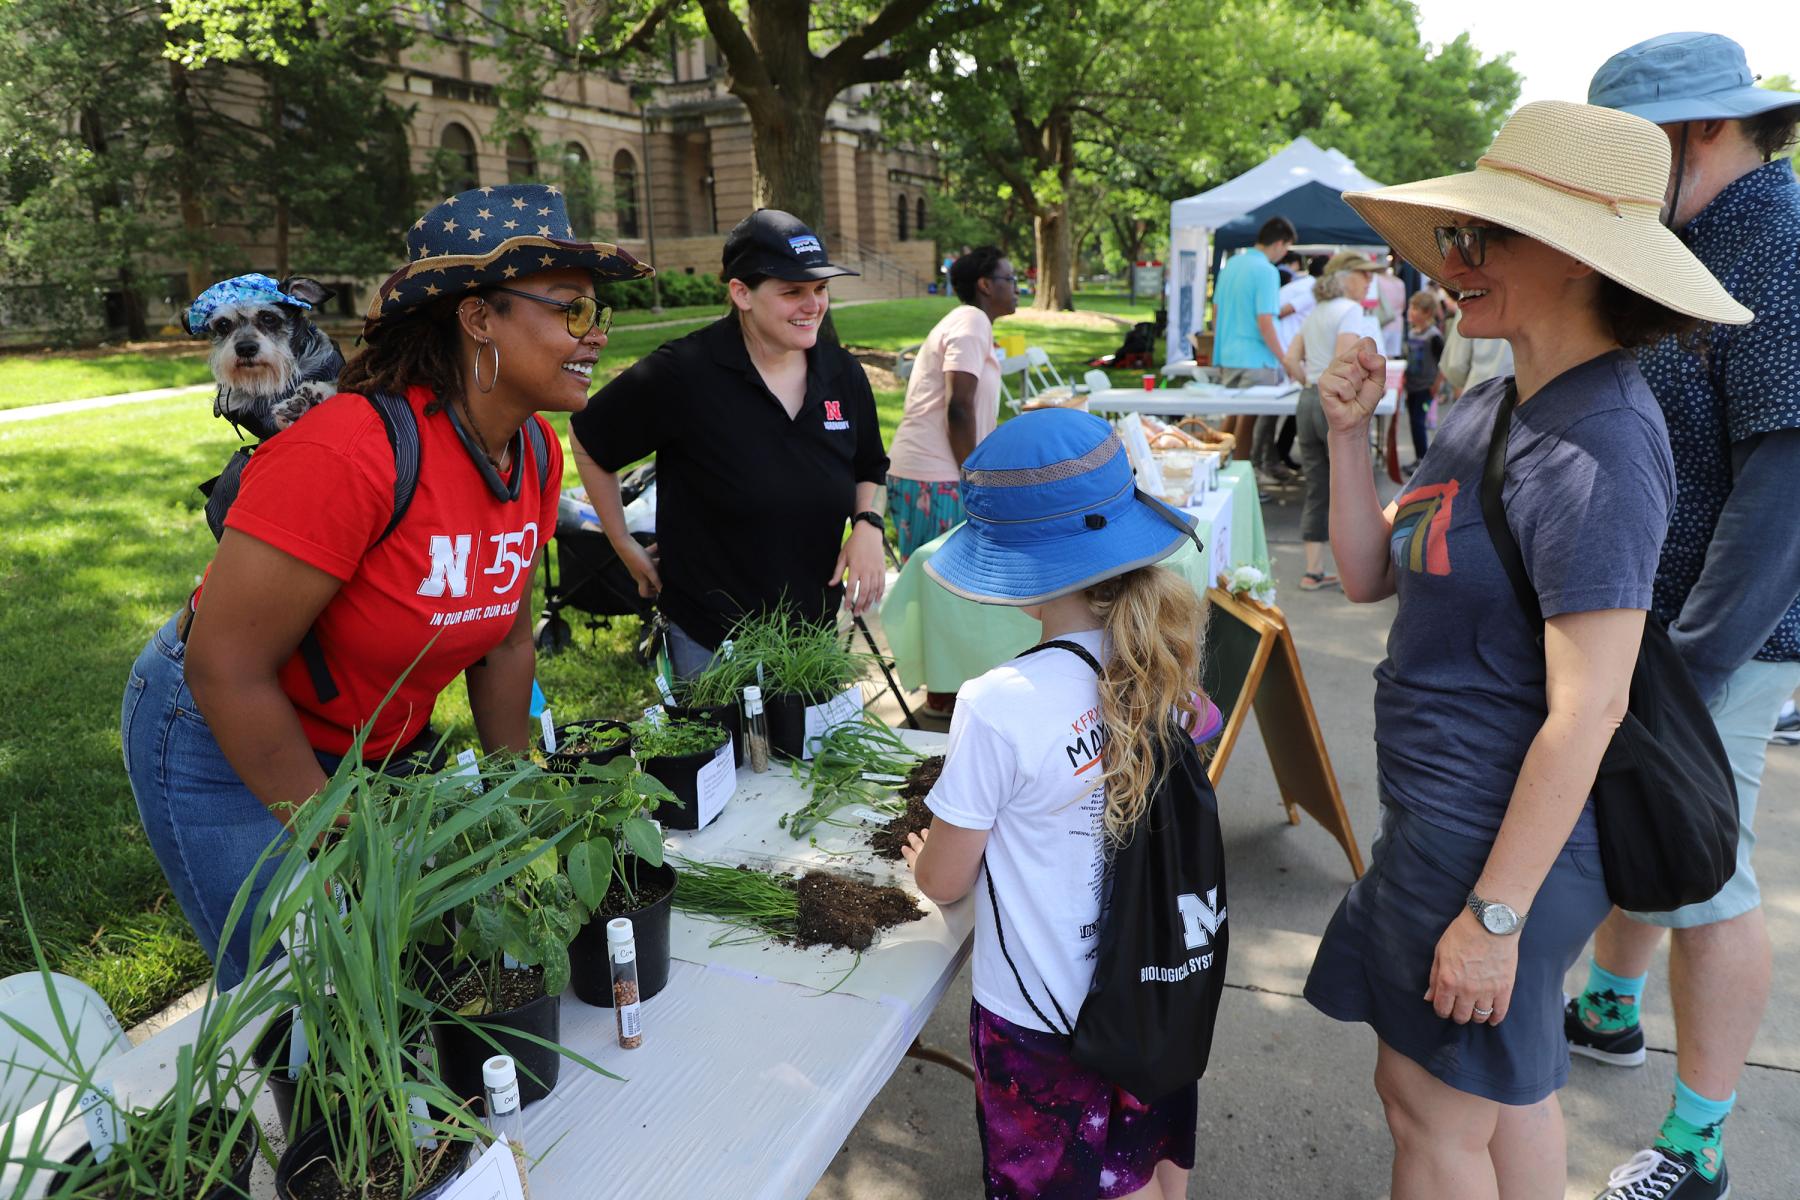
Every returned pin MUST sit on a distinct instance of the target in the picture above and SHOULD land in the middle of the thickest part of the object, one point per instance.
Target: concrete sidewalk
(36, 412)
(1287, 1108)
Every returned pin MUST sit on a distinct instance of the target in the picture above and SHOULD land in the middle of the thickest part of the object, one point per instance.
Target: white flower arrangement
(1251, 581)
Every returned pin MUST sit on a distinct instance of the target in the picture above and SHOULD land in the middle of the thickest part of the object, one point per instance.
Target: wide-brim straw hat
(486, 236)
(1584, 180)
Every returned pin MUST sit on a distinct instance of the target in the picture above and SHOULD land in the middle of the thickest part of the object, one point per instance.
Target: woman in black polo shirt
(766, 444)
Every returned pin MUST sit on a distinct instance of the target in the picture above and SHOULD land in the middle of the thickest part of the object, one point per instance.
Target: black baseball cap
(771, 242)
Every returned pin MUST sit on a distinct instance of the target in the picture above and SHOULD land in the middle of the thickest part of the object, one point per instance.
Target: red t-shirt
(451, 576)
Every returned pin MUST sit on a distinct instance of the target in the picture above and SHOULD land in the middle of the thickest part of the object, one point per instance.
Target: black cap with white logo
(771, 242)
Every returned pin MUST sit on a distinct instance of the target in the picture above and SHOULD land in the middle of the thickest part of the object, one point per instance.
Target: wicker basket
(1220, 443)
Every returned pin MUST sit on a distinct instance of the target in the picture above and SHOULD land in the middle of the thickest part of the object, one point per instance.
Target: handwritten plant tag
(105, 1127)
(549, 731)
(715, 783)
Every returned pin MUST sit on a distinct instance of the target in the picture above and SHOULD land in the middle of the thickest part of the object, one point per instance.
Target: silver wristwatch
(1497, 918)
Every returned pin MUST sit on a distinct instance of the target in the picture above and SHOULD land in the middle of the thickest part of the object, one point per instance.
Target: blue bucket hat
(1053, 508)
(491, 235)
(240, 289)
(1684, 77)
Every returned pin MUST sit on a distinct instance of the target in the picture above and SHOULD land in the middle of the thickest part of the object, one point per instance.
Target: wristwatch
(873, 518)
(1497, 918)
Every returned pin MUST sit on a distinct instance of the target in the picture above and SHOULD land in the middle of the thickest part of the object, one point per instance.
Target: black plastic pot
(727, 715)
(461, 1050)
(567, 761)
(589, 970)
(680, 774)
(310, 1151)
(786, 714)
(235, 1188)
(272, 1047)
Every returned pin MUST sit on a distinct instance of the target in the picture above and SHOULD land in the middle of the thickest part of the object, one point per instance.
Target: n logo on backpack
(1200, 921)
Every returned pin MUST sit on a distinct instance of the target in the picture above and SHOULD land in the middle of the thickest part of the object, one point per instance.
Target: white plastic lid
(498, 1073)
(753, 693)
(618, 931)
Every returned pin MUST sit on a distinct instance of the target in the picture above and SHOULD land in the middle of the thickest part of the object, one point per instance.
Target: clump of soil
(838, 911)
(620, 903)
(513, 988)
(922, 778)
(887, 840)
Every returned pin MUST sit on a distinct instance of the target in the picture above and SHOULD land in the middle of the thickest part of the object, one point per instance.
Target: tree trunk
(137, 328)
(1055, 235)
(789, 169)
(193, 215)
(283, 217)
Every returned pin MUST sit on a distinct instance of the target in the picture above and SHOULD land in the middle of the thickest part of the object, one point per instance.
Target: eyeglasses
(1012, 279)
(581, 314)
(1471, 241)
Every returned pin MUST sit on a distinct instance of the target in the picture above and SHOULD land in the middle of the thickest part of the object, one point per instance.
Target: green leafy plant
(586, 738)
(796, 657)
(858, 762)
(753, 904)
(674, 738)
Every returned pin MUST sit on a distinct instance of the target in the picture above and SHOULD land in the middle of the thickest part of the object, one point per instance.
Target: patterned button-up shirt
(1745, 383)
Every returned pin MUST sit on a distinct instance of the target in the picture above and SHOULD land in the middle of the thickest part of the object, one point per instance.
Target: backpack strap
(1493, 512)
(540, 450)
(402, 429)
(1068, 1026)
(1074, 648)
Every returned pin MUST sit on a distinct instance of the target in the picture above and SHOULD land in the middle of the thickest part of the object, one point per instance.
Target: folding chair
(1041, 371)
(1020, 365)
(1097, 380)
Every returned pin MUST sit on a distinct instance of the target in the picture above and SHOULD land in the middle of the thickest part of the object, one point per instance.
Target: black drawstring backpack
(1147, 1022)
(1665, 800)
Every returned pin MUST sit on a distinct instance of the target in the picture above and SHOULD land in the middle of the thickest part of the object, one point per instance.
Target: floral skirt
(923, 511)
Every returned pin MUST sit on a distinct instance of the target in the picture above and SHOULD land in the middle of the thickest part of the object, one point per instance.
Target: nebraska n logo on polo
(449, 566)
(834, 415)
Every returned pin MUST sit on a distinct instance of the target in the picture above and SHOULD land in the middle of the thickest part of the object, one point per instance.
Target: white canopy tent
(1191, 222)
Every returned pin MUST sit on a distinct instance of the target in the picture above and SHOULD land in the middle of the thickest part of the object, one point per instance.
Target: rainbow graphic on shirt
(1422, 528)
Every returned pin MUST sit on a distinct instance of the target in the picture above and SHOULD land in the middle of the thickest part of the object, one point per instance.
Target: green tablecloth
(940, 640)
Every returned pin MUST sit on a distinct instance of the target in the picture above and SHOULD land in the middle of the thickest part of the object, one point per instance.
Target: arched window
(919, 209)
(625, 194)
(900, 202)
(578, 187)
(458, 145)
(521, 160)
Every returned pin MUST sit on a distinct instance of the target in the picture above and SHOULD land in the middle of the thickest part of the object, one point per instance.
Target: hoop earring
(487, 344)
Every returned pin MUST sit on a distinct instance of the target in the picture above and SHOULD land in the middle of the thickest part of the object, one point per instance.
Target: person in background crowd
(1466, 362)
(1058, 531)
(767, 448)
(1296, 303)
(1389, 294)
(242, 705)
(1728, 584)
(1331, 329)
(1424, 346)
(1486, 880)
(1246, 299)
(952, 400)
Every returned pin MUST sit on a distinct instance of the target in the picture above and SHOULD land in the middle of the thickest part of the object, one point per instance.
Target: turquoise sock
(1694, 1129)
(1610, 1002)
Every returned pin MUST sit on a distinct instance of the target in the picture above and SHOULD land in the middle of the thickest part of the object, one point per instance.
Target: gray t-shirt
(1589, 486)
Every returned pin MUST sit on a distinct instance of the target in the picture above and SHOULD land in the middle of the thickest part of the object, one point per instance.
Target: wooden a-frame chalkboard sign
(1250, 656)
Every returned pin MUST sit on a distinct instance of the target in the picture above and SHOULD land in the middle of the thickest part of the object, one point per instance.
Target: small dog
(271, 362)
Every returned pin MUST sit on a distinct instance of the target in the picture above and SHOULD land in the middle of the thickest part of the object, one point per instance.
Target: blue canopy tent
(1317, 210)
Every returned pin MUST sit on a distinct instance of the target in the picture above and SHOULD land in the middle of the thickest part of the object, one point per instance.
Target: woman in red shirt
(313, 607)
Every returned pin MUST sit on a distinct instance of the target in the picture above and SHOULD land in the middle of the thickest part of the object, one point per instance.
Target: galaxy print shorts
(1053, 1130)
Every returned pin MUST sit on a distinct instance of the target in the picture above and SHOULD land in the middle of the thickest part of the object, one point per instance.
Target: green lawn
(42, 379)
(104, 539)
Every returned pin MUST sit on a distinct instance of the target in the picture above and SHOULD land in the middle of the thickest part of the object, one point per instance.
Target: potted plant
(593, 743)
(613, 856)
(799, 664)
(716, 696)
(676, 752)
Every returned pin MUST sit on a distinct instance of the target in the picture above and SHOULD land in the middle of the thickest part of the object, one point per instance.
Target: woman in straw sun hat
(1486, 880)
(329, 586)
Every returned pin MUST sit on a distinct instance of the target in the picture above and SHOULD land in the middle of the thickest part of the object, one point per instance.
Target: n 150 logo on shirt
(834, 415)
(510, 557)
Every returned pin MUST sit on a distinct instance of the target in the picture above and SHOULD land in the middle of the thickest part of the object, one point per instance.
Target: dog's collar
(502, 490)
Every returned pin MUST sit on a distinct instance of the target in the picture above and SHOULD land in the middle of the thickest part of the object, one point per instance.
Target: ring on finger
(1484, 1013)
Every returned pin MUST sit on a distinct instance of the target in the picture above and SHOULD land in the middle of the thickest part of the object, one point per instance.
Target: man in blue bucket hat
(1728, 581)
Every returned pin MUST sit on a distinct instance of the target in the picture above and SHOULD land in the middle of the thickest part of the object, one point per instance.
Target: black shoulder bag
(1147, 1022)
(1664, 799)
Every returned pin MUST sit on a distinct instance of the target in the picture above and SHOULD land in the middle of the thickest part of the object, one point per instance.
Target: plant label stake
(426, 1057)
(727, 649)
(466, 760)
(549, 731)
(104, 1128)
(297, 1050)
(662, 685)
(654, 714)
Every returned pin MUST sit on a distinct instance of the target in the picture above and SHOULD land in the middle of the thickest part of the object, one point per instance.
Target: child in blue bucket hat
(1049, 767)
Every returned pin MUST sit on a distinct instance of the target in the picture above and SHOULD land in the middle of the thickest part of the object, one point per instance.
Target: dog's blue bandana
(255, 289)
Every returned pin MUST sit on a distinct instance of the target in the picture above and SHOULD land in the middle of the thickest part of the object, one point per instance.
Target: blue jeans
(207, 829)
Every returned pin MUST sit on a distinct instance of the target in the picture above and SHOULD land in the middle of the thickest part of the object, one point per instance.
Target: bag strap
(1074, 648)
(402, 429)
(540, 450)
(1493, 512)
(1068, 1026)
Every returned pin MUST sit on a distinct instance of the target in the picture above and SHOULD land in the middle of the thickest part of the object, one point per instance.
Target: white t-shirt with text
(1320, 333)
(1024, 762)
